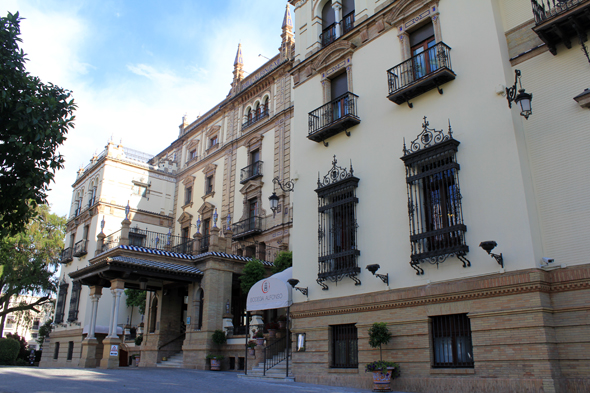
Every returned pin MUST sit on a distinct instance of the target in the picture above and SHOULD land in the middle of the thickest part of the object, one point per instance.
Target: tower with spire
(238, 70)
(287, 48)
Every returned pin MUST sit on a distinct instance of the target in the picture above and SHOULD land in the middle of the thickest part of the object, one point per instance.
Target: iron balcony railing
(347, 22)
(331, 116)
(419, 67)
(111, 241)
(256, 117)
(251, 171)
(66, 255)
(204, 244)
(328, 35)
(81, 248)
(255, 249)
(546, 9)
(247, 227)
(159, 241)
(185, 247)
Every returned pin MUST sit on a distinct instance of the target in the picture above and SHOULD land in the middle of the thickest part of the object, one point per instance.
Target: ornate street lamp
(522, 98)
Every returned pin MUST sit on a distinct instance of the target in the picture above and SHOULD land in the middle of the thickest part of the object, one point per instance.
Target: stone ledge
(343, 371)
(454, 371)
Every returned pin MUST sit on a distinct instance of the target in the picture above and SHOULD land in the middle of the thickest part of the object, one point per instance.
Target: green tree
(253, 272)
(34, 120)
(379, 334)
(44, 331)
(29, 260)
(284, 260)
(135, 298)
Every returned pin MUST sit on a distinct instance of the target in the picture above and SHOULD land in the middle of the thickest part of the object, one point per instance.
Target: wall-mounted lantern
(373, 269)
(293, 282)
(488, 246)
(523, 99)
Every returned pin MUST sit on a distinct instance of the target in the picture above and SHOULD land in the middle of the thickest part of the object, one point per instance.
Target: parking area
(144, 380)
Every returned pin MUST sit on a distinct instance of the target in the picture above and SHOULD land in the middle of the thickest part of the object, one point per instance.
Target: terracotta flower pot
(382, 380)
(215, 365)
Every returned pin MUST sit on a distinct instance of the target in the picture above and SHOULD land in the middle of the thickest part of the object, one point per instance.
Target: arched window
(257, 110)
(265, 106)
(153, 315)
(249, 115)
(328, 25)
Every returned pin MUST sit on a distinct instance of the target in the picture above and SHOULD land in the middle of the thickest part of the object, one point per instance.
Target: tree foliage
(136, 298)
(283, 261)
(379, 334)
(9, 349)
(44, 331)
(28, 261)
(34, 120)
(252, 273)
(22, 352)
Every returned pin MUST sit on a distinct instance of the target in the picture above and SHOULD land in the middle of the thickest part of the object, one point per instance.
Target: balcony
(328, 35)
(251, 172)
(347, 22)
(247, 228)
(91, 202)
(557, 21)
(66, 255)
(421, 73)
(334, 117)
(255, 118)
(185, 247)
(80, 248)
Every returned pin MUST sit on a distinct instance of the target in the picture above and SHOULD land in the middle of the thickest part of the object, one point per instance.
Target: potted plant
(272, 328)
(282, 320)
(251, 346)
(259, 337)
(218, 339)
(383, 371)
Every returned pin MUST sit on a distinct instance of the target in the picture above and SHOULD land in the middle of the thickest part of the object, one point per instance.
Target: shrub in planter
(9, 350)
(138, 340)
(251, 344)
(383, 371)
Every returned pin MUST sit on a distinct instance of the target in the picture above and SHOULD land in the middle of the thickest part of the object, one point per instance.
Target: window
(451, 341)
(213, 141)
(338, 251)
(209, 185)
(56, 351)
(74, 301)
(254, 159)
(34, 335)
(339, 90)
(423, 49)
(188, 195)
(70, 350)
(61, 302)
(434, 199)
(137, 237)
(92, 196)
(348, 16)
(344, 346)
(193, 154)
(328, 25)
(9, 323)
(139, 190)
(36, 323)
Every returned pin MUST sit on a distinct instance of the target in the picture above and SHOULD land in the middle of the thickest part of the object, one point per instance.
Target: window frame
(74, 301)
(60, 306)
(453, 333)
(344, 335)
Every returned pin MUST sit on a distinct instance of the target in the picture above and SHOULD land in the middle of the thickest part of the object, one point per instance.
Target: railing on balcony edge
(255, 118)
(80, 248)
(159, 241)
(251, 171)
(420, 67)
(247, 226)
(339, 108)
(552, 8)
(91, 202)
(66, 255)
(111, 241)
(328, 35)
(347, 22)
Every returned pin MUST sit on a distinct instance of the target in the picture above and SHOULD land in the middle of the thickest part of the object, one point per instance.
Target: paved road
(144, 380)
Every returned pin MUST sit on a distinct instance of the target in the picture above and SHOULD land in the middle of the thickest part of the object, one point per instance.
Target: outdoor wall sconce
(488, 246)
(286, 186)
(373, 269)
(523, 99)
(293, 282)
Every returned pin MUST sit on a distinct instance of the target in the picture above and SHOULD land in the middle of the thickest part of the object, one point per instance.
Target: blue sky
(136, 67)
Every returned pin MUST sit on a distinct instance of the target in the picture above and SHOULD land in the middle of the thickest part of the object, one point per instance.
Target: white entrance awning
(270, 293)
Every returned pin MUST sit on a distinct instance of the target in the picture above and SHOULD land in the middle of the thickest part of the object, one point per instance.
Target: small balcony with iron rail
(66, 255)
(256, 117)
(247, 228)
(557, 21)
(334, 117)
(251, 172)
(421, 73)
(81, 248)
(330, 33)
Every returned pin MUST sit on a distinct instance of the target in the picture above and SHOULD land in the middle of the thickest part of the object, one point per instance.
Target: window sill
(343, 371)
(211, 194)
(455, 371)
(187, 205)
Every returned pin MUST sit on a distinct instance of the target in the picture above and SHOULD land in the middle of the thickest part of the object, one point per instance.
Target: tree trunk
(6, 303)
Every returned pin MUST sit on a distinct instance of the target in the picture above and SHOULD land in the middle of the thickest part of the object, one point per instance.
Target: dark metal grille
(419, 66)
(339, 108)
(249, 226)
(434, 199)
(70, 350)
(81, 248)
(547, 9)
(451, 340)
(328, 35)
(66, 255)
(344, 346)
(61, 303)
(251, 171)
(255, 249)
(74, 301)
(337, 226)
(347, 22)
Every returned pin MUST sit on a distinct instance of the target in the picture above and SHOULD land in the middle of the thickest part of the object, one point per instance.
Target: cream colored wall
(267, 153)
(494, 202)
(514, 12)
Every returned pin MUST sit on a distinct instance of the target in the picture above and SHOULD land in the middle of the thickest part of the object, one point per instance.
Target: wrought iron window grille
(74, 302)
(451, 341)
(344, 346)
(61, 303)
(437, 231)
(337, 226)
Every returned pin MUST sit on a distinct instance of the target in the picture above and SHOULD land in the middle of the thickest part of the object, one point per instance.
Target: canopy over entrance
(270, 293)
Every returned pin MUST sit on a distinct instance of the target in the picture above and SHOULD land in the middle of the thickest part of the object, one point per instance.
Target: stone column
(197, 243)
(99, 246)
(89, 345)
(338, 18)
(112, 343)
(228, 235)
(214, 240)
(125, 225)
